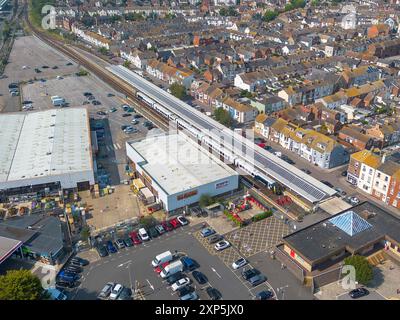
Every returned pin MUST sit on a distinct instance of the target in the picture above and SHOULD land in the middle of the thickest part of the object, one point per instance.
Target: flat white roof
(176, 163)
(44, 143)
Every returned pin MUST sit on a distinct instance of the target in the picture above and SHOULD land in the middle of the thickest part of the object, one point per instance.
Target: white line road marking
(151, 286)
(118, 145)
(215, 271)
(124, 263)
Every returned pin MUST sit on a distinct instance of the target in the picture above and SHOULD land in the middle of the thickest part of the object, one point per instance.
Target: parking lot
(132, 268)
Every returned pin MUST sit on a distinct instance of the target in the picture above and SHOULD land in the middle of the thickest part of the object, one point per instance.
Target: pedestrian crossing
(114, 146)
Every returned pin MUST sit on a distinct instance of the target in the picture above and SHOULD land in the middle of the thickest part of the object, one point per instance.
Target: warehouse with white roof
(43, 149)
(178, 171)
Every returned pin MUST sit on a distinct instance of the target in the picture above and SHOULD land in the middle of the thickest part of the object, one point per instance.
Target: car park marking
(215, 271)
(151, 286)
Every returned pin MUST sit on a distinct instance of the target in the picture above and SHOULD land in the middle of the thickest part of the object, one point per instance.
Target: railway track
(105, 76)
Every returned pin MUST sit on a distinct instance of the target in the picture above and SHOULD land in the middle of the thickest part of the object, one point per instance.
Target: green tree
(246, 94)
(20, 285)
(85, 233)
(103, 50)
(205, 200)
(223, 117)
(270, 15)
(364, 272)
(126, 64)
(178, 90)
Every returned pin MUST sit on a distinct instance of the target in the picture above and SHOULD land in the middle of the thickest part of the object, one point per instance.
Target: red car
(161, 267)
(135, 238)
(167, 226)
(175, 223)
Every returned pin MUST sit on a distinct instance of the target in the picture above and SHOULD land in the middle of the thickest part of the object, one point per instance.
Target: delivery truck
(162, 258)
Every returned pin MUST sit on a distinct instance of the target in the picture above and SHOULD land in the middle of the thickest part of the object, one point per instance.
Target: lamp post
(282, 291)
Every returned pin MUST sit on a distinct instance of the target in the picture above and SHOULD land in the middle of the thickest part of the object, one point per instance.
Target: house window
(386, 179)
(379, 175)
(370, 171)
(377, 184)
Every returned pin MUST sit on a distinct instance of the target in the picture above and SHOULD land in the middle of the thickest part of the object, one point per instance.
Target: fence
(297, 271)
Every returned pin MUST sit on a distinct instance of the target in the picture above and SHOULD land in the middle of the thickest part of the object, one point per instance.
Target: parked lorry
(162, 258)
(171, 269)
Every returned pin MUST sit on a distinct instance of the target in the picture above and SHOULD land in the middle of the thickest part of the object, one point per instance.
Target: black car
(126, 294)
(153, 233)
(327, 183)
(213, 293)
(128, 242)
(55, 67)
(185, 290)
(123, 127)
(126, 115)
(102, 250)
(96, 103)
(249, 273)
(344, 173)
(65, 284)
(87, 94)
(199, 277)
(264, 295)
(137, 116)
(45, 67)
(110, 95)
(306, 171)
(79, 261)
(74, 268)
(101, 113)
(358, 293)
(69, 64)
(175, 277)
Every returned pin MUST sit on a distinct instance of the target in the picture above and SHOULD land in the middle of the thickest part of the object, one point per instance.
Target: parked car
(327, 183)
(180, 284)
(112, 110)
(249, 273)
(102, 250)
(344, 173)
(73, 268)
(67, 276)
(222, 245)
(341, 192)
(126, 115)
(101, 113)
(358, 293)
(167, 226)
(143, 234)
(138, 116)
(134, 121)
(135, 238)
(199, 277)
(264, 295)
(160, 267)
(79, 261)
(354, 201)
(96, 103)
(64, 283)
(189, 264)
(185, 290)
(105, 292)
(110, 95)
(175, 223)
(257, 279)
(110, 247)
(214, 238)
(120, 243)
(160, 229)
(239, 263)
(213, 293)
(190, 296)
(153, 233)
(306, 171)
(87, 94)
(126, 294)
(206, 232)
(175, 277)
(128, 242)
(116, 291)
(182, 220)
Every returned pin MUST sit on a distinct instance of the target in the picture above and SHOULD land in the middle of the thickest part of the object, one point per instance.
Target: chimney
(383, 158)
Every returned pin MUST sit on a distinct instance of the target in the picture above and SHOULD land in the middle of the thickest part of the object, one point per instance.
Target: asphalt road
(373, 295)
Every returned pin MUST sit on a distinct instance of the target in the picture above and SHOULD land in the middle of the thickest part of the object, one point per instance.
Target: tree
(223, 117)
(20, 285)
(85, 233)
(364, 273)
(205, 200)
(178, 90)
(103, 50)
(270, 15)
(246, 94)
(126, 64)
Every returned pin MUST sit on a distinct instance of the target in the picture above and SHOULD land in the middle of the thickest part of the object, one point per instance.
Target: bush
(20, 285)
(206, 200)
(364, 273)
(262, 216)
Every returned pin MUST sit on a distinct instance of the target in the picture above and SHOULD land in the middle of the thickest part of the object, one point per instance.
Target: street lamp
(282, 290)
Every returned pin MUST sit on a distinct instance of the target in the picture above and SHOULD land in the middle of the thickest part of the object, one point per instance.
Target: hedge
(262, 216)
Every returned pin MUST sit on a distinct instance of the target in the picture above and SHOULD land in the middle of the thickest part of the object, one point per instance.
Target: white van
(162, 258)
(143, 234)
(171, 269)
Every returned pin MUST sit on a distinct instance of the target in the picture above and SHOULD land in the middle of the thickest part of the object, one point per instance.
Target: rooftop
(44, 143)
(176, 163)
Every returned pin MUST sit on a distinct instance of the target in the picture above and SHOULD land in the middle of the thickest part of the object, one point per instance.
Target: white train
(207, 140)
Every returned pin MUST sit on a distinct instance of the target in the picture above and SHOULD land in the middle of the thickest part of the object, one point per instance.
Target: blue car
(206, 232)
(66, 276)
(110, 247)
(189, 263)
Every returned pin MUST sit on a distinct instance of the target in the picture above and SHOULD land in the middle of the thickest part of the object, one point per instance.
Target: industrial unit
(45, 149)
(178, 171)
(234, 148)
